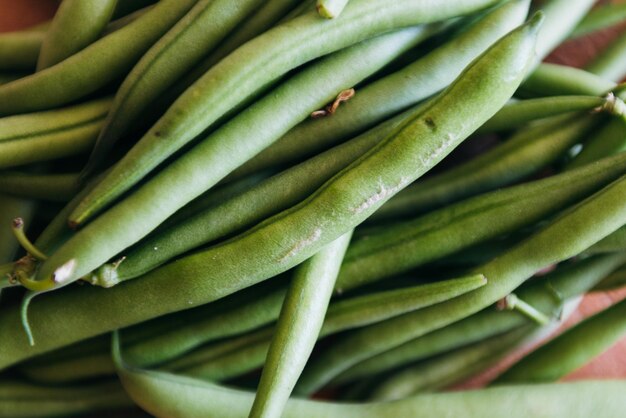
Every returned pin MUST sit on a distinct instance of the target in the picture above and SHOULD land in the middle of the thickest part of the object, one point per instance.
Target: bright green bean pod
(244, 209)
(516, 114)
(26, 400)
(341, 316)
(341, 204)
(224, 150)
(565, 237)
(448, 368)
(76, 25)
(525, 153)
(611, 63)
(197, 33)
(559, 80)
(237, 77)
(95, 66)
(298, 327)
(19, 50)
(393, 93)
(570, 350)
(607, 140)
(567, 282)
(400, 247)
(168, 395)
(599, 18)
(331, 9)
(55, 187)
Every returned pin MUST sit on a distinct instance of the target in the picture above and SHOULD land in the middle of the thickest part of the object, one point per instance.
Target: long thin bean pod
(238, 76)
(613, 243)
(55, 187)
(393, 93)
(95, 66)
(558, 80)
(568, 282)
(76, 24)
(341, 204)
(599, 18)
(225, 149)
(298, 327)
(565, 237)
(606, 140)
(571, 349)
(611, 64)
(19, 50)
(198, 32)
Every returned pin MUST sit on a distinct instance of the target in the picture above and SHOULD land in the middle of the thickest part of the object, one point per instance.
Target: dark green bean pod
(19, 50)
(566, 282)
(400, 247)
(341, 204)
(75, 26)
(55, 187)
(167, 395)
(226, 149)
(565, 237)
(197, 33)
(570, 350)
(95, 66)
(525, 153)
(252, 66)
(391, 94)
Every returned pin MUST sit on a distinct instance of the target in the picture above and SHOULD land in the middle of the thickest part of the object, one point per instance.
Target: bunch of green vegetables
(212, 187)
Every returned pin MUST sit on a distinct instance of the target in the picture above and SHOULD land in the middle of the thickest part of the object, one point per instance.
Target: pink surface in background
(16, 14)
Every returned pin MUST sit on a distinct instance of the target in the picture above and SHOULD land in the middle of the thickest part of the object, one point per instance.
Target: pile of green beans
(218, 208)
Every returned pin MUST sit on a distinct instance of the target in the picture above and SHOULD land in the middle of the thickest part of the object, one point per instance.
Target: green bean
(614, 242)
(567, 282)
(18, 399)
(198, 32)
(405, 245)
(165, 394)
(341, 316)
(613, 281)
(525, 153)
(558, 80)
(225, 149)
(448, 368)
(562, 16)
(331, 9)
(298, 327)
(571, 349)
(93, 67)
(12, 207)
(244, 209)
(599, 18)
(610, 63)
(237, 77)
(607, 140)
(516, 114)
(20, 50)
(122, 21)
(341, 204)
(75, 26)
(563, 238)
(391, 94)
(55, 187)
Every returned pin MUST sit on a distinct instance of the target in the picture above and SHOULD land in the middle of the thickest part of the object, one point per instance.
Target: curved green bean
(569, 281)
(298, 327)
(391, 94)
(197, 33)
(526, 152)
(222, 151)
(341, 204)
(563, 238)
(93, 67)
(570, 350)
(252, 66)
(55, 187)
(75, 26)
